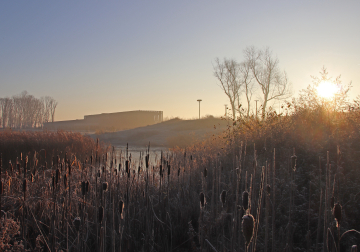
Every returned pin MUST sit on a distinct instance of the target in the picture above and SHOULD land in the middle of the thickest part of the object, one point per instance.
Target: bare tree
(247, 81)
(6, 111)
(227, 72)
(26, 111)
(52, 106)
(273, 83)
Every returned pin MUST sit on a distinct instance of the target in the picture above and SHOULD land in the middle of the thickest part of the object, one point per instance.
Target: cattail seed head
(147, 161)
(127, 166)
(293, 162)
(98, 173)
(105, 186)
(332, 202)
(101, 214)
(57, 177)
(65, 180)
(337, 213)
(77, 223)
(245, 200)
(1, 187)
(223, 197)
(268, 189)
(83, 188)
(103, 169)
(248, 227)
(205, 173)
(202, 200)
(121, 208)
(24, 185)
(53, 181)
(168, 166)
(87, 186)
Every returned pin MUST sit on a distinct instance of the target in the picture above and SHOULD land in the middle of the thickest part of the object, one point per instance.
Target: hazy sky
(120, 55)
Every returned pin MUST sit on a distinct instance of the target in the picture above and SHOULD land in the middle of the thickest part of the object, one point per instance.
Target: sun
(327, 89)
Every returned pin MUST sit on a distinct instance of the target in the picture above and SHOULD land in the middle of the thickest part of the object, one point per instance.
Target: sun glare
(327, 89)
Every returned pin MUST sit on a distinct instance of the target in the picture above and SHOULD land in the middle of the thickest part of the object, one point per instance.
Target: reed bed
(285, 183)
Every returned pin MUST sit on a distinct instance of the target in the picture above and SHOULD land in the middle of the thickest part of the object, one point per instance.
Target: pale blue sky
(109, 56)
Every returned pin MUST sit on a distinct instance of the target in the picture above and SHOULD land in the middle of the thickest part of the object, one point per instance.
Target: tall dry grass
(280, 173)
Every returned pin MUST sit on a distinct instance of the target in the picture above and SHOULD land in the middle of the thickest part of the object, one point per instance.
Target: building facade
(109, 121)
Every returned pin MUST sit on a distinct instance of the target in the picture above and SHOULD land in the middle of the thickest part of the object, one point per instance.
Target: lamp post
(199, 106)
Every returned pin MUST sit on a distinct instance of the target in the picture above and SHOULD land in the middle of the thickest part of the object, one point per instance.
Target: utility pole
(199, 106)
(256, 107)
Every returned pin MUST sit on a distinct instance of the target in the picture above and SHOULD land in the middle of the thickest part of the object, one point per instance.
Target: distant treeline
(26, 111)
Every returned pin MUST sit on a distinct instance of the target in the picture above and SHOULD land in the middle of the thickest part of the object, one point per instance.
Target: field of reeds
(286, 182)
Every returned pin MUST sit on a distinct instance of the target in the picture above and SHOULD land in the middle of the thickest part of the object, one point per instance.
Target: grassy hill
(175, 132)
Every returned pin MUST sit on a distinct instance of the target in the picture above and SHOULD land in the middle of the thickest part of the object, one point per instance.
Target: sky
(108, 56)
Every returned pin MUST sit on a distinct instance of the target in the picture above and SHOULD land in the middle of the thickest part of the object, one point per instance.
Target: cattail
(179, 172)
(147, 161)
(98, 173)
(101, 214)
(127, 166)
(223, 197)
(32, 178)
(105, 186)
(245, 200)
(10, 166)
(83, 188)
(168, 166)
(24, 185)
(337, 213)
(202, 200)
(87, 186)
(293, 162)
(65, 180)
(121, 208)
(1, 187)
(57, 177)
(268, 189)
(161, 170)
(53, 181)
(103, 169)
(248, 227)
(205, 173)
(332, 202)
(77, 223)
(354, 248)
